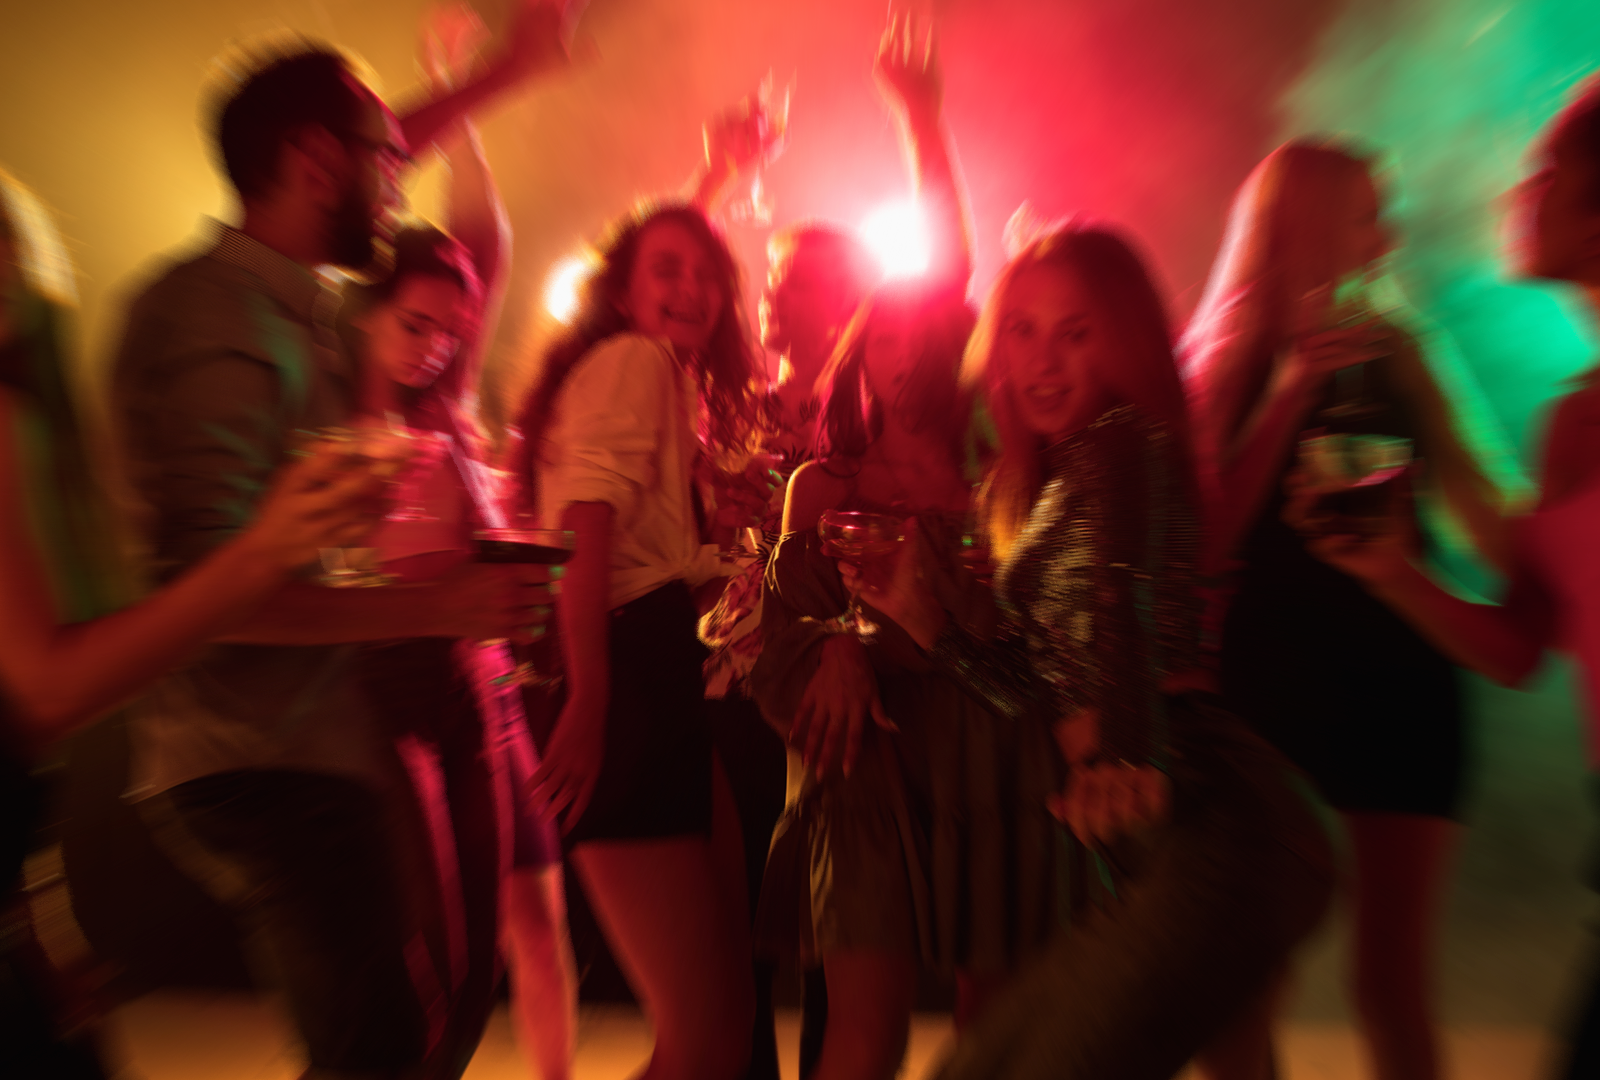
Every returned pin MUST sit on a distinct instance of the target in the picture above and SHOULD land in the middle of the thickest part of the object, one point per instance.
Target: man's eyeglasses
(390, 157)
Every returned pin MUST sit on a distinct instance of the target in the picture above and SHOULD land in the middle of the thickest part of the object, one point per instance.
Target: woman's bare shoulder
(812, 490)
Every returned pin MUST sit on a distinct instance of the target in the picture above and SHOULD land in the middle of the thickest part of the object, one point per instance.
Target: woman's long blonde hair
(1282, 241)
(1144, 375)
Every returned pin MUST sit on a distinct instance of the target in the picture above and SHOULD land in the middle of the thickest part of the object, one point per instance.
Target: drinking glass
(859, 539)
(1357, 472)
(549, 547)
(389, 452)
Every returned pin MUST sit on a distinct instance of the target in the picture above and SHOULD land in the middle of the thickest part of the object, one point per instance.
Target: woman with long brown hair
(656, 375)
(1316, 666)
(1202, 860)
(916, 833)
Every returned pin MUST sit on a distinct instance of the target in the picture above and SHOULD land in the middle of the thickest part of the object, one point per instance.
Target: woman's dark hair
(730, 371)
(851, 415)
(426, 251)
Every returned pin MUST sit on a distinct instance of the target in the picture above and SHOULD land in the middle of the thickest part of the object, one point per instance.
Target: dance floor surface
(173, 1036)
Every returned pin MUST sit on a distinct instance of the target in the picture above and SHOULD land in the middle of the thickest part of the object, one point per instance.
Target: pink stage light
(897, 235)
(562, 285)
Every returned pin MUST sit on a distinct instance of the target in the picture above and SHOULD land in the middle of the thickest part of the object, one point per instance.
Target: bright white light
(897, 235)
(562, 285)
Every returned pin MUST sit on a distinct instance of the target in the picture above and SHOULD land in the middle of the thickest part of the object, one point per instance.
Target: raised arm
(474, 214)
(911, 80)
(734, 140)
(536, 44)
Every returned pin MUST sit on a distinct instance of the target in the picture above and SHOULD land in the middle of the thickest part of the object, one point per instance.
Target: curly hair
(731, 370)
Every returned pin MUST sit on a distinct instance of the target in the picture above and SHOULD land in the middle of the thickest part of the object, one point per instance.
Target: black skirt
(655, 780)
(1341, 684)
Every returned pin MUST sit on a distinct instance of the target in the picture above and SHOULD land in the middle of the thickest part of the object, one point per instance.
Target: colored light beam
(562, 286)
(897, 235)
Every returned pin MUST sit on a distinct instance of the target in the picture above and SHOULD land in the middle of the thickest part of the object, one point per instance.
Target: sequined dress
(1098, 592)
(1181, 924)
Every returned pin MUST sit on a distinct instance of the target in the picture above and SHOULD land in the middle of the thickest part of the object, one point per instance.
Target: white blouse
(624, 431)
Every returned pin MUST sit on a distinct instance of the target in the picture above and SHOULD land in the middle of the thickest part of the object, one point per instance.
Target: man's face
(376, 155)
(1556, 215)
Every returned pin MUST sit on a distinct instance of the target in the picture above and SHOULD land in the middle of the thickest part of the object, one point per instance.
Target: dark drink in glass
(549, 547)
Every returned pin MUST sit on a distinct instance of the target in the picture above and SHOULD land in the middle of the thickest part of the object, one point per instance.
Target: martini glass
(859, 539)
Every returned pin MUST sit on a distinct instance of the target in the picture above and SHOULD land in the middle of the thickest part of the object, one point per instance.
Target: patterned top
(224, 357)
(1097, 596)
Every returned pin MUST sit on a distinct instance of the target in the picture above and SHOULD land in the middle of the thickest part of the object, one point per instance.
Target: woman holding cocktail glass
(1201, 859)
(916, 834)
(1289, 365)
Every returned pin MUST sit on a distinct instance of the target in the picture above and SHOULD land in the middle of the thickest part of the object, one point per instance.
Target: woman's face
(889, 353)
(1366, 238)
(1053, 349)
(675, 290)
(415, 335)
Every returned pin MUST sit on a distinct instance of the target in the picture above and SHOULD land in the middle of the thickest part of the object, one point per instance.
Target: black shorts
(655, 781)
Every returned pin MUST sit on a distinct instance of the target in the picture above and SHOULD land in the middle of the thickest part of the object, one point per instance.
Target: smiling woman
(657, 357)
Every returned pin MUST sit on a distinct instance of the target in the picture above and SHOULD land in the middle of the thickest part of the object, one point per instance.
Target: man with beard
(261, 766)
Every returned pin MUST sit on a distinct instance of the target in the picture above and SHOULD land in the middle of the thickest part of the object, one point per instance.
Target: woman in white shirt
(657, 377)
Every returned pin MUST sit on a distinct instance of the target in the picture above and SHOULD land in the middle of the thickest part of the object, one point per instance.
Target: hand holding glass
(859, 539)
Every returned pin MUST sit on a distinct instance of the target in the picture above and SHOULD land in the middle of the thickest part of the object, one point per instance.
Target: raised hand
(452, 34)
(907, 67)
(742, 136)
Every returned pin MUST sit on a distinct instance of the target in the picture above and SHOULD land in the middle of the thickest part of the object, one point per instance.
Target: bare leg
(544, 978)
(869, 1015)
(1401, 865)
(664, 907)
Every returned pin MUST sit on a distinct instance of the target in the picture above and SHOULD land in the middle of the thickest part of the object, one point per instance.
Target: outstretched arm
(911, 80)
(57, 677)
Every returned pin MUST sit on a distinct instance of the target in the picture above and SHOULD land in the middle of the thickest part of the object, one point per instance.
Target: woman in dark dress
(1323, 671)
(915, 834)
(1203, 859)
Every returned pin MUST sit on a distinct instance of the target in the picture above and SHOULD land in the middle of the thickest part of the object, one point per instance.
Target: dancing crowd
(1008, 643)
